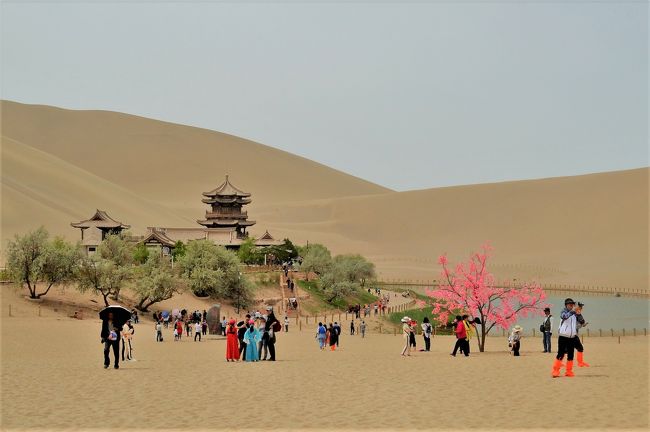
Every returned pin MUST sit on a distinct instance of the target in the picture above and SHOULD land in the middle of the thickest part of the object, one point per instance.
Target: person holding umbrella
(113, 319)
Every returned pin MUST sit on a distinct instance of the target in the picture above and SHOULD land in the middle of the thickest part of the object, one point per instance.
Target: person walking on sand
(576, 341)
(412, 342)
(321, 333)
(159, 336)
(197, 330)
(232, 347)
(469, 330)
(362, 328)
(461, 335)
(331, 337)
(566, 338)
(547, 329)
(286, 324)
(269, 331)
(204, 327)
(427, 329)
(406, 334)
(515, 340)
(352, 328)
(251, 337)
(110, 339)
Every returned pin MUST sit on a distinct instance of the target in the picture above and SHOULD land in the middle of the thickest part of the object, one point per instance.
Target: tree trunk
(105, 298)
(481, 347)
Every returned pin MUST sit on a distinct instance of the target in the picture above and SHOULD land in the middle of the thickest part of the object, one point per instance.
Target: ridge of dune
(171, 163)
(40, 189)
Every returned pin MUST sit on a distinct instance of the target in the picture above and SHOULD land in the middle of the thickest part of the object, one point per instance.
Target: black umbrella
(120, 313)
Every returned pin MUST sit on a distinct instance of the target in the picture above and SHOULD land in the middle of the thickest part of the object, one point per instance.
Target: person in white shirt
(286, 324)
(426, 332)
(197, 331)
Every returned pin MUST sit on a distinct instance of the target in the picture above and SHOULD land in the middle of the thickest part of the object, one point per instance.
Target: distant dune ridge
(60, 165)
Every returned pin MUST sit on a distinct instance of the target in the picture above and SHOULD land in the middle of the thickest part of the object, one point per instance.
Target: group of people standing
(409, 329)
(568, 339)
(252, 339)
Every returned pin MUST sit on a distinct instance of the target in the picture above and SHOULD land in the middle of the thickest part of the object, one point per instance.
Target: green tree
(119, 252)
(155, 282)
(211, 270)
(34, 260)
(353, 268)
(179, 250)
(140, 253)
(102, 276)
(248, 253)
(316, 258)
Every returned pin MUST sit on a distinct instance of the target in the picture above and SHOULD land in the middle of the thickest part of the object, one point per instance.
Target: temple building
(95, 229)
(225, 224)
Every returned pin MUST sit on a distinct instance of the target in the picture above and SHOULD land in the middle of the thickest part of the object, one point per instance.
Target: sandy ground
(52, 379)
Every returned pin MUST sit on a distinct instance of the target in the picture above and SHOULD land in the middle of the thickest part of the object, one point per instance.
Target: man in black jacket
(269, 334)
(110, 336)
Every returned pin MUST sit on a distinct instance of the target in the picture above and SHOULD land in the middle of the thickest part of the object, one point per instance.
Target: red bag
(277, 326)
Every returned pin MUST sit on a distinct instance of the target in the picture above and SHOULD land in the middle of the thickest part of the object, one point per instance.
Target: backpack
(428, 331)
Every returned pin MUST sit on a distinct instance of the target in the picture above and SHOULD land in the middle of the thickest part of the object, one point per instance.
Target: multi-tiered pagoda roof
(226, 202)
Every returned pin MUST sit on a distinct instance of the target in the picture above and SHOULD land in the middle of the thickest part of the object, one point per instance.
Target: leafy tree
(353, 268)
(283, 252)
(317, 258)
(33, 260)
(179, 250)
(105, 272)
(155, 282)
(101, 276)
(140, 253)
(211, 270)
(472, 289)
(248, 252)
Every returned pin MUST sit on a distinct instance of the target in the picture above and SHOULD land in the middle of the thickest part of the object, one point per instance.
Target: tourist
(406, 332)
(241, 335)
(427, 329)
(333, 337)
(469, 331)
(262, 344)
(362, 328)
(179, 328)
(576, 341)
(197, 331)
(337, 329)
(188, 328)
(110, 340)
(352, 328)
(251, 338)
(224, 324)
(321, 333)
(204, 327)
(412, 341)
(376, 309)
(286, 324)
(566, 338)
(127, 334)
(461, 335)
(514, 341)
(232, 348)
(159, 336)
(271, 326)
(547, 328)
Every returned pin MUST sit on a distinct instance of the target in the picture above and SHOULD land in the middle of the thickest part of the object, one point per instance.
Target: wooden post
(619, 340)
(9, 310)
(600, 332)
(612, 332)
(39, 311)
(300, 325)
(623, 332)
(634, 331)
(394, 331)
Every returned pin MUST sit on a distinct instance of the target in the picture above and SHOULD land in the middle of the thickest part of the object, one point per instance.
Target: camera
(580, 304)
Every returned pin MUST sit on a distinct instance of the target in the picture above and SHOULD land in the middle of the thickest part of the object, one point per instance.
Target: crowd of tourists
(253, 339)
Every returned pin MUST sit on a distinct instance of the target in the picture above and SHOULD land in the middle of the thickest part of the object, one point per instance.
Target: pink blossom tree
(473, 290)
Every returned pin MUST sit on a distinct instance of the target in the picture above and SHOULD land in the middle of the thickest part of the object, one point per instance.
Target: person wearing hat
(547, 328)
(269, 331)
(406, 332)
(232, 348)
(251, 337)
(566, 336)
(515, 340)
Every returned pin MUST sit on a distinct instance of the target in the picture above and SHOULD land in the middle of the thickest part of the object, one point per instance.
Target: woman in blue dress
(251, 337)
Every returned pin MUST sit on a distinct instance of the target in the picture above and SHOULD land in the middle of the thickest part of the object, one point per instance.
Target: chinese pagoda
(226, 203)
(98, 227)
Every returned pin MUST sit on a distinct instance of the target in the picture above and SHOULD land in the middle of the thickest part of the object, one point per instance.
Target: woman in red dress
(232, 346)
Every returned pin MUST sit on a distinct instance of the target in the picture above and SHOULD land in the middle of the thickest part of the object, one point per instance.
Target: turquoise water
(601, 312)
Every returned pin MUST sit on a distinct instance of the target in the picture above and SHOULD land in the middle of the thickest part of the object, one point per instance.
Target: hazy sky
(404, 94)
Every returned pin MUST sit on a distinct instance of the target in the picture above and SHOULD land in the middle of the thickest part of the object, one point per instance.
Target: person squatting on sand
(514, 340)
(427, 329)
(407, 330)
(547, 329)
(567, 332)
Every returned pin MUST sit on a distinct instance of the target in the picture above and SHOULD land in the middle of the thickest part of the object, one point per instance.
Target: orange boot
(556, 368)
(569, 369)
(581, 362)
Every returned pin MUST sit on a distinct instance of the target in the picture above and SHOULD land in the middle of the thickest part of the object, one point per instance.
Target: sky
(408, 94)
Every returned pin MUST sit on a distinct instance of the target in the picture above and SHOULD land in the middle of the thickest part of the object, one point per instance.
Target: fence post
(394, 331)
(587, 332)
(619, 339)
(612, 332)
(623, 332)
(600, 332)
(9, 310)
(39, 311)
(645, 331)
(634, 331)
(300, 325)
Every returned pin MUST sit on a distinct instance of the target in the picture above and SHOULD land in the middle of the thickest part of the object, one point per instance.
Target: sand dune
(59, 165)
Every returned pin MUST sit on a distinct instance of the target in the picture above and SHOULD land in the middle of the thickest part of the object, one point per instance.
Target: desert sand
(59, 165)
(52, 379)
